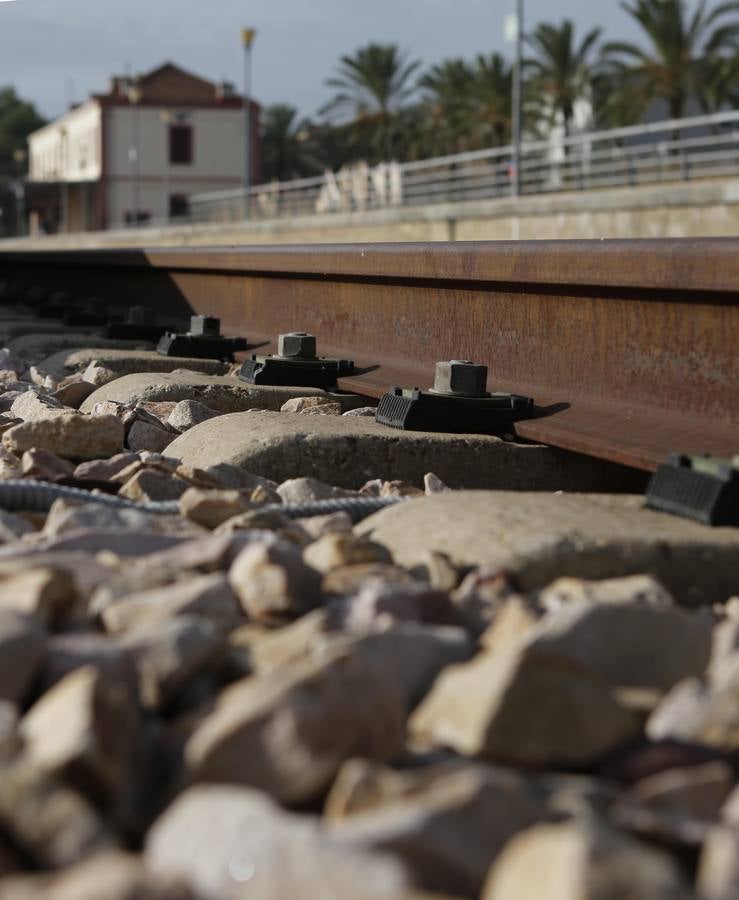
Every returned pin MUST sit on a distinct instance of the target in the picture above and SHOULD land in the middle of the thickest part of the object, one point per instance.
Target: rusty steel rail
(630, 348)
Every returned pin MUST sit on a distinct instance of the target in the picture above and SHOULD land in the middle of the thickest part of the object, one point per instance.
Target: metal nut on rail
(461, 378)
(205, 326)
(296, 345)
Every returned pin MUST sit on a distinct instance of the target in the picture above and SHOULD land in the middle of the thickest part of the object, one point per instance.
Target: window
(178, 205)
(180, 144)
(139, 217)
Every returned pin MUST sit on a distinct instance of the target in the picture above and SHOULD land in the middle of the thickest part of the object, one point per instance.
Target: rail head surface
(630, 348)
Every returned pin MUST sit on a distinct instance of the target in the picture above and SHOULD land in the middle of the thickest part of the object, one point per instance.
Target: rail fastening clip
(203, 341)
(296, 364)
(458, 403)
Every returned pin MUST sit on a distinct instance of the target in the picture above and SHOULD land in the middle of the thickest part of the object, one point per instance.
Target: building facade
(135, 154)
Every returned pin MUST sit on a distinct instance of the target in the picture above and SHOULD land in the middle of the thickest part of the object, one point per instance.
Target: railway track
(255, 644)
(629, 348)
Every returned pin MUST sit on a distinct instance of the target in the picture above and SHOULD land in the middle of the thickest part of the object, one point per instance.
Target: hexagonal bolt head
(461, 377)
(140, 315)
(205, 326)
(297, 345)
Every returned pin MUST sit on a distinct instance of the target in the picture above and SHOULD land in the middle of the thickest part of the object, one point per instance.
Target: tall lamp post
(19, 189)
(247, 39)
(517, 100)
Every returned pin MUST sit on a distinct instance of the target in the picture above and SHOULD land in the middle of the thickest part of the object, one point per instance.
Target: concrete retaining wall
(708, 208)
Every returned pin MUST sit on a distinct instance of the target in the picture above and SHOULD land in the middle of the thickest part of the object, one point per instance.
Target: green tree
(468, 105)
(492, 89)
(448, 103)
(372, 88)
(680, 46)
(561, 71)
(17, 120)
(286, 149)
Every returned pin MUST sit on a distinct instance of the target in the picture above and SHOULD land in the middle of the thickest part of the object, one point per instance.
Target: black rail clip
(703, 488)
(139, 325)
(458, 403)
(296, 364)
(203, 341)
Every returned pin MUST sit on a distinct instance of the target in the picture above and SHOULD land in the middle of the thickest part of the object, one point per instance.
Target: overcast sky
(51, 49)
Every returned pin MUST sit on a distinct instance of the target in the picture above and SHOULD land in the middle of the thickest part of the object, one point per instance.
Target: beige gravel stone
(74, 394)
(449, 833)
(30, 406)
(634, 589)
(627, 646)
(287, 733)
(211, 508)
(273, 583)
(206, 595)
(718, 867)
(188, 413)
(84, 730)
(233, 843)
(51, 823)
(147, 436)
(346, 451)
(148, 484)
(702, 711)
(169, 653)
(70, 435)
(44, 465)
(693, 793)
(221, 393)
(302, 404)
(48, 594)
(334, 550)
(539, 537)
(306, 490)
(21, 651)
(523, 709)
(582, 861)
(125, 877)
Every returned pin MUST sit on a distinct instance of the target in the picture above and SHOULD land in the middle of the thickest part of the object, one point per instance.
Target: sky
(57, 51)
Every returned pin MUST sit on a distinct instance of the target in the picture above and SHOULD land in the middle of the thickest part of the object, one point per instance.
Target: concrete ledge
(347, 451)
(707, 207)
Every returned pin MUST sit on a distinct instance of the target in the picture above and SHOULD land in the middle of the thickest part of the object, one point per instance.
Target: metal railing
(672, 150)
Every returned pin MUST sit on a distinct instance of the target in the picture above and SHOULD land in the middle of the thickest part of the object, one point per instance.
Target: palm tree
(493, 83)
(562, 71)
(448, 96)
(469, 106)
(285, 149)
(372, 88)
(680, 45)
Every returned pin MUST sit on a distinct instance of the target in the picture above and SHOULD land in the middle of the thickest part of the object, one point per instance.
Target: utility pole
(247, 39)
(517, 101)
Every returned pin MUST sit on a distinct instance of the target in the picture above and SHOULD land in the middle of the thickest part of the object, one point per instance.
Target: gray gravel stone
(540, 537)
(347, 451)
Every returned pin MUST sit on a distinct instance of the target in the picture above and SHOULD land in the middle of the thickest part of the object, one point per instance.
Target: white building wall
(69, 149)
(143, 133)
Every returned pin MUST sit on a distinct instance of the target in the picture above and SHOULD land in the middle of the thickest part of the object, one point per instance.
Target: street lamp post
(19, 189)
(517, 100)
(247, 38)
